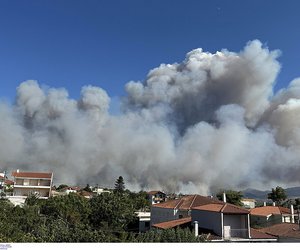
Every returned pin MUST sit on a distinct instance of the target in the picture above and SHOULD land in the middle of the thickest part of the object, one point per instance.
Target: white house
(226, 220)
(26, 183)
(220, 221)
(248, 203)
(178, 208)
(269, 215)
(156, 197)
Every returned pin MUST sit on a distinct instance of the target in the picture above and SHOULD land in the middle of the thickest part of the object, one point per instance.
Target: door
(227, 233)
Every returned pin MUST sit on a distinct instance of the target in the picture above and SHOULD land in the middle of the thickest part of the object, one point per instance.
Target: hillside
(293, 192)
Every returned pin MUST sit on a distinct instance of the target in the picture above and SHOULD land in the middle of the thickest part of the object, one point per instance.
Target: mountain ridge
(292, 192)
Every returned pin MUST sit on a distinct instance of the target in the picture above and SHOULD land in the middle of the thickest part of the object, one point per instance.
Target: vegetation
(108, 217)
(232, 197)
(278, 195)
(119, 185)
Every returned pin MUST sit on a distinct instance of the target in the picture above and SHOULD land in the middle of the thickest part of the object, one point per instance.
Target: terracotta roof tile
(285, 230)
(154, 192)
(267, 210)
(173, 223)
(9, 182)
(226, 208)
(32, 175)
(256, 234)
(187, 202)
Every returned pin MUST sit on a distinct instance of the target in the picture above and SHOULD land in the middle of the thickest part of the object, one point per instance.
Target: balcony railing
(236, 233)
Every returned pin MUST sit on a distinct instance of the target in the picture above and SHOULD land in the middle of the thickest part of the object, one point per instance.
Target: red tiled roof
(32, 175)
(154, 192)
(226, 208)
(173, 223)
(187, 202)
(267, 210)
(256, 234)
(285, 230)
(9, 182)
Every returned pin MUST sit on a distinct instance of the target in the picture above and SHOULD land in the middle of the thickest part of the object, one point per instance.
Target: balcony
(234, 234)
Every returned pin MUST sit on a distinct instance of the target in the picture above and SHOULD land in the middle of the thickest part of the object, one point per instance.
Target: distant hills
(293, 192)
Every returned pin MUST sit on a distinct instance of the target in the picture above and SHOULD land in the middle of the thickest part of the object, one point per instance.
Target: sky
(171, 95)
(69, 44)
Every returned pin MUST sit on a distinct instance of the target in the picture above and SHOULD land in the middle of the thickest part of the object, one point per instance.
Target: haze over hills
(293, 192)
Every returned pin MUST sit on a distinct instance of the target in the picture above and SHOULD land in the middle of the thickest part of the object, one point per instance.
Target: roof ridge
(180, 201)
(195, 196)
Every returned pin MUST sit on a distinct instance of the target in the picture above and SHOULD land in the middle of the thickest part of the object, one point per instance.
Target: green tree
(71, 208)
(277, 195)
(120, 185)
(232, 197)
(112, 211)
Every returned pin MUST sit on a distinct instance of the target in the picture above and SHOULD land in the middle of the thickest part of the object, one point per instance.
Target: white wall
(27, 191)
(208, 220)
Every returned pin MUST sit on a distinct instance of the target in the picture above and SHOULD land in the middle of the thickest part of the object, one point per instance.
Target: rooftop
(225, 208)
(187, 202)
(268, 210)
(173, 223)
(155, 192)
(32, 175)
(283, 230)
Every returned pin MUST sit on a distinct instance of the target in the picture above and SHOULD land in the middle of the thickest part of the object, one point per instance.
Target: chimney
(292, 214)
(196, 228)
(18, 170)
(274, 204)
(224, 197)
(265, 203)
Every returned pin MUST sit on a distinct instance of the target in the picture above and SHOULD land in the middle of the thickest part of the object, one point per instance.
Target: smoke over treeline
(209, 122)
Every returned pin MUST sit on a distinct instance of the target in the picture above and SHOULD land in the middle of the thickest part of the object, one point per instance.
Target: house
(285, 232)
(269, 215)
(4, 181)
(218, 220)
(248, 203)
(144, 221)
(155, 197)
(26, 183)
(226, 220)
(68, 190)
(178, 208)
(98, 190)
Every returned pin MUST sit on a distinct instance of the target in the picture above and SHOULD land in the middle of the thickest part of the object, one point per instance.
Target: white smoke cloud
(209, 122)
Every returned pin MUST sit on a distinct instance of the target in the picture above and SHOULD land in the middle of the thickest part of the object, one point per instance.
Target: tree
(277, 195)
(87, 188)
(111, 211)
(120, 185)
(232, 197)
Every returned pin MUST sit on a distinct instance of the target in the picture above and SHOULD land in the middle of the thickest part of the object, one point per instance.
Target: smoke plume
(209, 122)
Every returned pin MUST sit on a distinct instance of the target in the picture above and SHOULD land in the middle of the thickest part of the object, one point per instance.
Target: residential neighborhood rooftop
(173, 223)
(32, 175)
(223, 208)
(284, 230)
(187, 202)
(267, 210)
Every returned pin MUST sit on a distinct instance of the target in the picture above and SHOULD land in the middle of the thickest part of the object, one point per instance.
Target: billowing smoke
(209, 122)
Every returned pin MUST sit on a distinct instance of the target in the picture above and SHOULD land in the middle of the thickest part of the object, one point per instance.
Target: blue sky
(72, 43)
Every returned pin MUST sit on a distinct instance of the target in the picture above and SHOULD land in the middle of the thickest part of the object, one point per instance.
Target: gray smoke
(209, 122)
